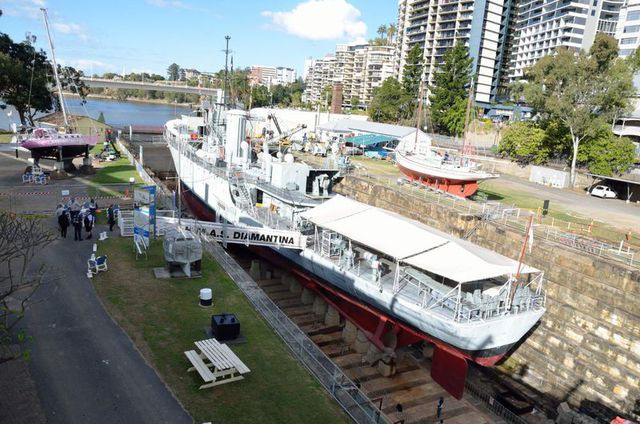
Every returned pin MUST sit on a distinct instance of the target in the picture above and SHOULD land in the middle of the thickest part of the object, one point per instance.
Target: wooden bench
(226, 366)
(201, 367)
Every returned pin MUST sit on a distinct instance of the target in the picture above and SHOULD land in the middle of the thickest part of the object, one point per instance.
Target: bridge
(153, 86)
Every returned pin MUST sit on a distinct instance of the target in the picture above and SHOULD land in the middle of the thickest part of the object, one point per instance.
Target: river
(118, 114)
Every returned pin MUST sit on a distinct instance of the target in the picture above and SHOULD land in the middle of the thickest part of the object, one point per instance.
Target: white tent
(411, 242)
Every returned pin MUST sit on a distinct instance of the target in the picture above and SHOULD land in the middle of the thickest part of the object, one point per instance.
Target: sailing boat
(456, 175)
(59, 144)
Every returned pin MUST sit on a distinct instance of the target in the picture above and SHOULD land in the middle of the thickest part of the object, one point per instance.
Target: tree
(26, 78)
(391, 33)
(449, 96)
(606, 153)
(411, 77)
(173, 72)
(581, 91)
(355, 102)
(260, 96)
(524, 142)
(326, 95)
(387, 102)
(101, 118)
(21, 240)
(382, 31)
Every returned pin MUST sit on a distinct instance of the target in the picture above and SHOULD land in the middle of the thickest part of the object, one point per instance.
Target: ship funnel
(236, 126)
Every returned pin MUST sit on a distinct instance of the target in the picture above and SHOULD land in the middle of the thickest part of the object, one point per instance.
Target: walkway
(85, 367)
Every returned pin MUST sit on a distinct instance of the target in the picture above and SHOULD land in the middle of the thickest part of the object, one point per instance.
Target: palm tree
(382, 31)
(391, 33)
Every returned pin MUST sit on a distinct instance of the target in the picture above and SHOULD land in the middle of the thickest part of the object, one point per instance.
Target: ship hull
(455, 181)
(481, 341)
(319, 281)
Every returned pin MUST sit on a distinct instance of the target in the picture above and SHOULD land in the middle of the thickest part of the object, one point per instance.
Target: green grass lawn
(164, 319)
(5, 136)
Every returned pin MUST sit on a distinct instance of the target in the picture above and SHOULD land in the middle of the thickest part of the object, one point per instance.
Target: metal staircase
(242, 195)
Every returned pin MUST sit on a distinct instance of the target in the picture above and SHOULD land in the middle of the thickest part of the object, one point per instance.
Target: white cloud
(70, 28)
(321, 20)
(24, 8)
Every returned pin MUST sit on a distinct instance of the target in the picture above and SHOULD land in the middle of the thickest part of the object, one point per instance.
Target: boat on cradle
(398, 280)
(55, 143)
(456, 175)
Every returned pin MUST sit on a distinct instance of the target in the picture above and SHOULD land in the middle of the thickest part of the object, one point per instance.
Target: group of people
(81, 215)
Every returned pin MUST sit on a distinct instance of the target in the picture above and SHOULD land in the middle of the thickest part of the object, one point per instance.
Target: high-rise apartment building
(271, 75)
(540, 27)
(359, 68)
(436, 25)
(628, 29)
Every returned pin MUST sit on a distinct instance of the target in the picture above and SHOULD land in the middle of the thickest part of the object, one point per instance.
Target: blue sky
(147, 35)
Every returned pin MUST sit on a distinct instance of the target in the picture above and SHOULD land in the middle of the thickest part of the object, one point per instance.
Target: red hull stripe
(455, 187)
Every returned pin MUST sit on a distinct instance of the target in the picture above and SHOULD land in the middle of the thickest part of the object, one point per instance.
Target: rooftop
(348, 125)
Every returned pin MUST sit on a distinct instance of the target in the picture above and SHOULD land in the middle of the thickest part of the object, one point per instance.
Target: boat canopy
(366, 140)
(411, 242)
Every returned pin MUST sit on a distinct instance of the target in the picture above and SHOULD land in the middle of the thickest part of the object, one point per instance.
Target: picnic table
(225, 365)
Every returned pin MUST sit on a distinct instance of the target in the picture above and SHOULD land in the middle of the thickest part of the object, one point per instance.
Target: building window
(634, 15)
(632, 28)
(629, 40)
(593, 12)
(626, 52)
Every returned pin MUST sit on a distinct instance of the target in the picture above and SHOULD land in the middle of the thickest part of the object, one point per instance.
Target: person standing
(63, 220)
(76, 220)
(111, 217)
(74, 208)
(93, 208)
(88, 223)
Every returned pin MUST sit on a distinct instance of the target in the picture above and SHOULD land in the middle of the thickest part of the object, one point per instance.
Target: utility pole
(226, 71)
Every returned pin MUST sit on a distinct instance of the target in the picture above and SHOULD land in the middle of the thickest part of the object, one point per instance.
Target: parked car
(604, 192)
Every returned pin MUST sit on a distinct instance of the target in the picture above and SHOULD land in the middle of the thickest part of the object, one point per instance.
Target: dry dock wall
(587, 346)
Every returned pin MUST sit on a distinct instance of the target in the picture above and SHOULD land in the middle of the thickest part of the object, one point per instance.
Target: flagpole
(514, 283)
(524, 245)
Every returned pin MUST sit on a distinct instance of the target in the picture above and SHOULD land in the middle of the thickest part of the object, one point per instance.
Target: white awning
(411, 242)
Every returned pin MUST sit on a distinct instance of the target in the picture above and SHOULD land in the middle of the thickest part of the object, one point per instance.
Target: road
(611, 211)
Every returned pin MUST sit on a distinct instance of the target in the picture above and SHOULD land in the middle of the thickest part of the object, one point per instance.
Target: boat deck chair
(98, 264)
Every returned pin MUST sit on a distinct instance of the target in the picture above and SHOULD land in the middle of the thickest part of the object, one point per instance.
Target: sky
(119, 36)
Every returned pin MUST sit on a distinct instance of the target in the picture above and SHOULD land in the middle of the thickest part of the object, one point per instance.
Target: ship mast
(226, 72)
(55, 67)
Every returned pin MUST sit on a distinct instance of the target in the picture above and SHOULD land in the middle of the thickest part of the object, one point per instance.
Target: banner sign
(146, 198)
(141, 223)
(242, 235)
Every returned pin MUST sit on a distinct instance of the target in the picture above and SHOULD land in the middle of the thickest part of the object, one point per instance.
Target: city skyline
(99, 38)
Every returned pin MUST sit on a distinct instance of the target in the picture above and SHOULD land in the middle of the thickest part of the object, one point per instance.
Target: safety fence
(44, 199)
(353, 401)
(493, 404)
(164, 198)
(576, 235)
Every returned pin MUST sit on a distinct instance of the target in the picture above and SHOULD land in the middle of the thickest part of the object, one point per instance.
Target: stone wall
(587, 346)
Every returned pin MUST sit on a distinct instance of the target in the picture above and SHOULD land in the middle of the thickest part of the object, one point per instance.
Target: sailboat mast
(55, 67)
(415, 142)
(466, 118)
